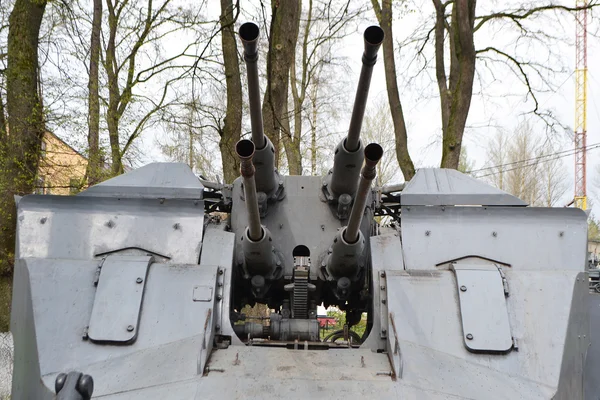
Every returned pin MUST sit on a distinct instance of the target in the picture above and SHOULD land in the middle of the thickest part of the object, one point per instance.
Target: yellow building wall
(61, 169)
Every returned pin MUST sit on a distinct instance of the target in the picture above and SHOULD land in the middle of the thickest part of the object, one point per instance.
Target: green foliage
(5, 300)
(340, 318)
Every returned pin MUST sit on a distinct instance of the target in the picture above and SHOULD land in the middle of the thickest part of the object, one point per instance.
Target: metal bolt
(43, 220)
(383, 301)
(322, 227)
(176, 226)
(220, 284)
(278, 263)
(494, 234)
(382, 274)
(382, 287)
(280, 226)
(220, 272)
(427, 233)
(561, 234)
(463, 288)
(139, 280)
(407, 208)
(219, 297)
(218, 327)
(162, 201)
(109, 224)
(195, 202)
(130, 328)
(384, 331)
(469, 336)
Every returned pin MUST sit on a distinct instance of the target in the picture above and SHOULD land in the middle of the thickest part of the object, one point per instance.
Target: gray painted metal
(78, 227)
(544, 239)
(121, 287)
(592, 366)
(483, 309)
(445, 187)
(152, 181)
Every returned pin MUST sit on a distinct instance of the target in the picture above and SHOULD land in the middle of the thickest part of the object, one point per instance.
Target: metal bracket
(118, 301)
(383, 307)
(482, 291)
(394, 353)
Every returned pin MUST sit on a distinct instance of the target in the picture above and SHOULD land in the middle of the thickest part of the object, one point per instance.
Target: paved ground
(6, 358)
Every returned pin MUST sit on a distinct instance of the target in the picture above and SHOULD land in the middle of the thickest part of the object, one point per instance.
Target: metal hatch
(482, 291)
(116, 310)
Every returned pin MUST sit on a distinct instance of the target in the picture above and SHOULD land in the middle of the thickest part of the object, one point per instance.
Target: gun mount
(140, 283)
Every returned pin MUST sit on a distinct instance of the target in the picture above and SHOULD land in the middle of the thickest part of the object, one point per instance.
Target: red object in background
(325, 322)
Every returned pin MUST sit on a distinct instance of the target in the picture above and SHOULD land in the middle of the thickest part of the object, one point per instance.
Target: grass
(5, 297)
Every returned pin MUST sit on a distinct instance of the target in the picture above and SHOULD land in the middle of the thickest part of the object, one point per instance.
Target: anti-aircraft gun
(134, 289)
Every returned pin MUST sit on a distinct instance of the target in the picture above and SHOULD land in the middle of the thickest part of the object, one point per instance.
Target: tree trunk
(25, 120)
(456, 101)
(292, 147)
(384, 16)
(3, 136)
(285, 21)
(114, 95)
(94, 167)
(232, 128)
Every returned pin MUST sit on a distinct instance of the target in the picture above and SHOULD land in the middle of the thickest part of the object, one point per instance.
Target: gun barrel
(349, 152)
(249, 34)
(264, 157)
(245, 151)
(373, 153)
(373, 37)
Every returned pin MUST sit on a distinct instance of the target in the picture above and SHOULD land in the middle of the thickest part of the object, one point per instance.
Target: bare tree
(452, 30)
(232, 125)
(383, 12)
(137, 32)
(322, 26)
(94, 166)
(283, 34)
(378, 127)
(526, 166)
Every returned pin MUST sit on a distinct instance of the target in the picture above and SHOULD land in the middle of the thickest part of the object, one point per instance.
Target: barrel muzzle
(245, 151)
(249, 35)
(373, 38)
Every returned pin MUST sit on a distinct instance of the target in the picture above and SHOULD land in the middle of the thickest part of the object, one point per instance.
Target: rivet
(469, 336)
(161, 201)
(139, 280)
(463, 288)
(130, 328)
(43, 220)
